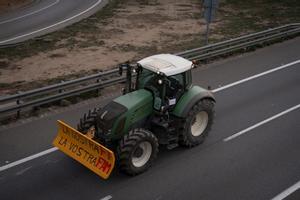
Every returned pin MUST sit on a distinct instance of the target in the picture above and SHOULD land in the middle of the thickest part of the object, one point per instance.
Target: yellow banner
(91, 154)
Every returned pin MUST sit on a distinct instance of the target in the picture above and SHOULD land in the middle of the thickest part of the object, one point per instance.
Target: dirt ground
(8, 5)
(135, 30)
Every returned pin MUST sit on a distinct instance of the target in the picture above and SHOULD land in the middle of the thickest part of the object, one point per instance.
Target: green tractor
(160, 106)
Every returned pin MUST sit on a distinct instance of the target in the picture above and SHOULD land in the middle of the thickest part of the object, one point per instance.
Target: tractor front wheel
(137, 151)
(198, 123)
(87, 124)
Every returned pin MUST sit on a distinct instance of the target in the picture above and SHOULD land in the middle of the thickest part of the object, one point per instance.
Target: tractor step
(172, 146)
(172, 143)
(168, 133)
(172, 138)
(160, 122)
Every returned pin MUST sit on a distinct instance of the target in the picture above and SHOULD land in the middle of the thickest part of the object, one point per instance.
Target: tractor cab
(166, 76)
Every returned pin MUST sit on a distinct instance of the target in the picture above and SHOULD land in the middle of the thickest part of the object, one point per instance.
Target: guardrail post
(98, 90)
(18, 102)
(61, 90)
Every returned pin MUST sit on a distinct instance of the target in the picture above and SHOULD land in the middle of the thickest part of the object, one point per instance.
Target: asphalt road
(44, 16)
(261, 163)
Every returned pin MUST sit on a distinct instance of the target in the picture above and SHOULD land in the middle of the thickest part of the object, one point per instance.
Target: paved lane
(44, 17)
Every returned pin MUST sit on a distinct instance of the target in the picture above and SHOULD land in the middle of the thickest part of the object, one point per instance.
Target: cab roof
(166, 63)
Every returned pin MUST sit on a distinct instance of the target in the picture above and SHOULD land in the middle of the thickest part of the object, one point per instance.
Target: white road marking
(53, 25)
(108, 197)
(256, 76)
(287, 192)
(18, 162)
(5, 167)
(32, 13)
(261, 123)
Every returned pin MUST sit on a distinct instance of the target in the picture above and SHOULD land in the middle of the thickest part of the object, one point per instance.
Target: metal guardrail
(30, 99)
(228, 46)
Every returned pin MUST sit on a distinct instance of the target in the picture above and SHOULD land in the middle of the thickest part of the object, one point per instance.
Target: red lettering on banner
(102, 152)
(103, 165)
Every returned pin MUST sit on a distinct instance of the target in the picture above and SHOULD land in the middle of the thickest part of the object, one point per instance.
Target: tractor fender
(191, 96)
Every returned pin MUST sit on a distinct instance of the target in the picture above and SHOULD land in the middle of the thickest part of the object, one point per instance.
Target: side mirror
(195, 63)
(124, 65)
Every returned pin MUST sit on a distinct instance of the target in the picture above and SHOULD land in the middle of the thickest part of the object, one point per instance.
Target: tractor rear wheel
(87, 124)
(198, 123)
(137, 151)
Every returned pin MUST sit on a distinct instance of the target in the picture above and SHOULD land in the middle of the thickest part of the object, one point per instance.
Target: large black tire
(198, 123)
(88, 121)
(137, 151)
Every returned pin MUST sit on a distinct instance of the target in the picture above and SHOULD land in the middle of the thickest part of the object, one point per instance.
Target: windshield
(144, 77)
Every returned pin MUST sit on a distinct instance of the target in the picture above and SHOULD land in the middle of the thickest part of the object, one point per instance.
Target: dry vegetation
(8, 5)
